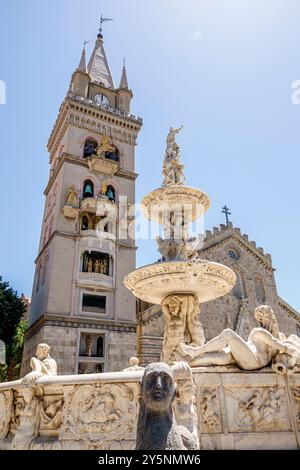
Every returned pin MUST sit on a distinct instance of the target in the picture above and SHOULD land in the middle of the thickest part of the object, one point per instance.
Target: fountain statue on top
(181, 281)
(172, 168)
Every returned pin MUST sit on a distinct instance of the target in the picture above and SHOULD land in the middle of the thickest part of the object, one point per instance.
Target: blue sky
(222, 68)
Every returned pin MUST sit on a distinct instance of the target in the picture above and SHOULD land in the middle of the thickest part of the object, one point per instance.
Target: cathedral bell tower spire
(98, 66)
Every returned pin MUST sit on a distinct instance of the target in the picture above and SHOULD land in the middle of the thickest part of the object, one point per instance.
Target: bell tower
(80, 306)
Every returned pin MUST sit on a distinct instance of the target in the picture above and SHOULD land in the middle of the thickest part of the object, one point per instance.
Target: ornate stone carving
(29, 420)
(98, 412)
(296, 397)
(51, 412)
(209, 410)
(286, 362)
(157, 427)
(159, 204)
(185, 400)
(18, 407)
(6, 403)
(172, 168)
(182, 325)
(206, 279)
(176, 250)
(261, 409)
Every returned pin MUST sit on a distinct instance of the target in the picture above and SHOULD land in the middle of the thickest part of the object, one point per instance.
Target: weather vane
(102, 21)
(225, 210)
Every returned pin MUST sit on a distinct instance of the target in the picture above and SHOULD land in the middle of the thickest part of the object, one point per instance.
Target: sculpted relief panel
(209, 410)
(6, 401)
(257, 409)
(296, 398)
(100, 412)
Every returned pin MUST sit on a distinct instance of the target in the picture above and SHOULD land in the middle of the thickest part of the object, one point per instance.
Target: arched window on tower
(239, 288)
(111, 193)
(88, 189)
(100, 344)
(259, 290)
(84, 222)
(113, 155)
(90, 148)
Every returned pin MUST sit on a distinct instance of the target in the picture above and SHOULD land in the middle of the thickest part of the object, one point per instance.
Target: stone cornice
(64, 321)
(69, 158)
(85, 115)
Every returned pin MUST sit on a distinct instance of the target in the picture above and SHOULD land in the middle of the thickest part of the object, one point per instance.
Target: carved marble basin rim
(206, 279)
(173, 197)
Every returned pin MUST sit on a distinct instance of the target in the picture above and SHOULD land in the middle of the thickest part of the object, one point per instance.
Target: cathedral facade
(80, 306)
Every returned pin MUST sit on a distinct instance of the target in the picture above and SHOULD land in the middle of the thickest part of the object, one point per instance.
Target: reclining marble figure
(263, 346)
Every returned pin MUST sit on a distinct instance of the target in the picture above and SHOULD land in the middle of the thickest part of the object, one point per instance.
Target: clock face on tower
(101, 99)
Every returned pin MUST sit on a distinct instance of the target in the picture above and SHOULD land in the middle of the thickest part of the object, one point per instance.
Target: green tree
(17, 348)
(12, 309)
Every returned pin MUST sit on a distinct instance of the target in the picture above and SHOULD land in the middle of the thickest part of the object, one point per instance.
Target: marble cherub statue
(263, 345)
(41, 364)
(157, 428)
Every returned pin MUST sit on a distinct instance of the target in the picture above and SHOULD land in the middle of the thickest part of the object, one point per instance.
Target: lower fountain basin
(206, 279)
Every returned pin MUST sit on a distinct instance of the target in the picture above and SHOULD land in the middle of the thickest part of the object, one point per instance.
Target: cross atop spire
(225, 210)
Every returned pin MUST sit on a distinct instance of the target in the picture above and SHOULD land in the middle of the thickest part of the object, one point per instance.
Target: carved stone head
(158, 388)
(174, 305)
(42, 351)
(266, 318)
(133, 361)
